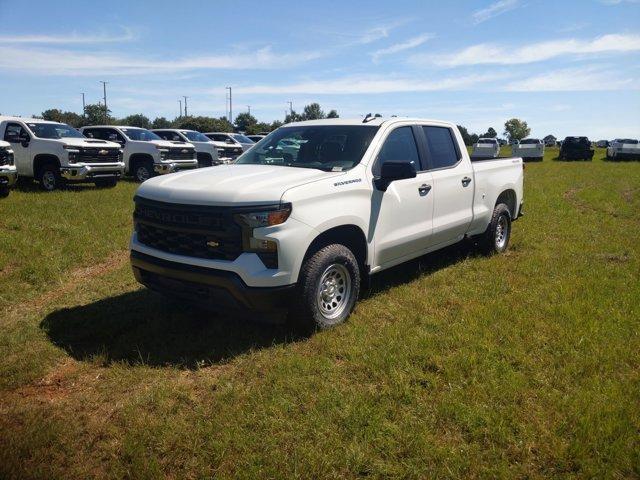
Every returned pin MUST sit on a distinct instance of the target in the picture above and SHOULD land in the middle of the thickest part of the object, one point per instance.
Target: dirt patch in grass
(53, 386)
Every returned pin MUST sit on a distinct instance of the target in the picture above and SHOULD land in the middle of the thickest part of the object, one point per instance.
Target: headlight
(266, 218)
(10, 158)
(72, 151)
(164, 152)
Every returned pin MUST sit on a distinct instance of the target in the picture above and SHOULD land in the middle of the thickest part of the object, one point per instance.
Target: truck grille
(98, 155)
(6, 158)
(181, 154)
(191, 230)
(230, 152)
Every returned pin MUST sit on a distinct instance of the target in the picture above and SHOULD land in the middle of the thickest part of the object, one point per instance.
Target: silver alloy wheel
(49, 180)
(502, 232)
(142, 173)
(334, 291)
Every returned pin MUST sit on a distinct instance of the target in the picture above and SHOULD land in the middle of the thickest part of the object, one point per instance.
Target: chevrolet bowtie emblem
(213, 244)
(184, 150)
(103, 152)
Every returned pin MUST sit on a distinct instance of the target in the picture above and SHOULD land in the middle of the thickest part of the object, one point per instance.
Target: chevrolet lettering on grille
(181, 218)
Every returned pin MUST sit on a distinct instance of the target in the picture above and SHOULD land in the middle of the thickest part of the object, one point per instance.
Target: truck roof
(378, 121)
(26, 120)
(112, 126)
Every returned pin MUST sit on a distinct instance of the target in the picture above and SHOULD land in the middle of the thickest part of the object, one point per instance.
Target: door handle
(466, 181)
(424, 189)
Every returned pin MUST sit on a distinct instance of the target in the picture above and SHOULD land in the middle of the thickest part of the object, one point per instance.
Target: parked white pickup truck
(298, 231)
(623, 149)
(206, 150)
(228, 148)
(8, 174)
(486, 148)
(145, 153)
(54, 153)
(529, 149)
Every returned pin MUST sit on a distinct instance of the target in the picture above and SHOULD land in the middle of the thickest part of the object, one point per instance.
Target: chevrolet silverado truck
(145, 153)
(576, 148)
(206, 150)
(486, 148)
(54, 153)
(529, 149)
(623, 149)
(299, 232)
(228, 148)
(8, 174)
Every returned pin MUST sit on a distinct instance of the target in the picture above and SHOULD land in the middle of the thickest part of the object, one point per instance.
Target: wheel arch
(42, 159)
(135, 158)
(510, 199)
(349, 235)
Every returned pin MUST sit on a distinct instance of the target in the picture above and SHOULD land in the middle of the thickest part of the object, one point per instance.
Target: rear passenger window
(442, 148)
(400, 146)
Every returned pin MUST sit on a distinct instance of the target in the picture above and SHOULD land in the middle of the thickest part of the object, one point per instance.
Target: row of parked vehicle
(54, 153)
(571, 148)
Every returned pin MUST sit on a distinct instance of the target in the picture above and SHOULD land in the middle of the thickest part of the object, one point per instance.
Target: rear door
(401, 217)
(453, 188)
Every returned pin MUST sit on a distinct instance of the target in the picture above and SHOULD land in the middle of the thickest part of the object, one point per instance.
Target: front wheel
(496, 237)
(328, 289)
(143, 171)
(49, 177)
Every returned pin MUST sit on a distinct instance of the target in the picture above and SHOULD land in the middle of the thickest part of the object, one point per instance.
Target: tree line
(96, 114)
(514, 129)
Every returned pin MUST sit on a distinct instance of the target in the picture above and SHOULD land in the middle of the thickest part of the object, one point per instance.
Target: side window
(14, 133)
(172, 136)
(400, 146)
(112, 136)
(442, 147)
(90, 133)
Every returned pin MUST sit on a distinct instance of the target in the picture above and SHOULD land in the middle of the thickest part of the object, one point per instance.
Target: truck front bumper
(171, 166)
(83, 172)
(8, 175)
(210, 288)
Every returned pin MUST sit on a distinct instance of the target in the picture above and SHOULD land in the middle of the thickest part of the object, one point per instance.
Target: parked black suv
(576, 148)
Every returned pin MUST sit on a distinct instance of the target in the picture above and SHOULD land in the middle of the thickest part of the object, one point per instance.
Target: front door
(401, 217)
(18, 137)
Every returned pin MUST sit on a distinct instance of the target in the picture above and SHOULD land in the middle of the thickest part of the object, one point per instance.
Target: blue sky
(566, 67)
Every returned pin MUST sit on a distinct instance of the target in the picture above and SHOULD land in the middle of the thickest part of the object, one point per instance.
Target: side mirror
(228, 140)
(392, 171)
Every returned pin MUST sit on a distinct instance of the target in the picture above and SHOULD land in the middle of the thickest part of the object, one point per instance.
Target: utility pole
(180, 103)
(84, 107)
(185, 106)
(290, 107)
(230, 105)
(104, 89)
(249, 109)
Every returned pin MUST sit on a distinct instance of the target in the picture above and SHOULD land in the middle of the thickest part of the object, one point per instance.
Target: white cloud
(488, 53)
(73, 38)
(574, 79)
(370, 85)
(400, 47)
(68, 62)
(493, 10)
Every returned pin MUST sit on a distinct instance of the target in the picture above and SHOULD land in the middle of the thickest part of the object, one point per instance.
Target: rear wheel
(496, 237)
(328, 289)
(49, 177)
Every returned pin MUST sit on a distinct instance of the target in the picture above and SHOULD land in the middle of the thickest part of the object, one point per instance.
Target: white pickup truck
(529, 149)
(54, 153)
(206, 150)
(8, 173)
(299, 231)
(145, 153)
(486, 148)
(623, 149)
(228, 148)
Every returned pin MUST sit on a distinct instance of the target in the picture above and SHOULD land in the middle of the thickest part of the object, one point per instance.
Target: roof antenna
(368, 117)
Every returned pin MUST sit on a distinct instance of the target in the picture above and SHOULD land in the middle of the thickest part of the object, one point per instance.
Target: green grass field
(524, 365)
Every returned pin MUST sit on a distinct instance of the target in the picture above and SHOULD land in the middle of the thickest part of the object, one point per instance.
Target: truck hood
(88, 142)
(170, 144)
(230, 184)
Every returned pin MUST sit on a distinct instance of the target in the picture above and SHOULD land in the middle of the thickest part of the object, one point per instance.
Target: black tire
(4, 191)
(492, 241)
(48, 176)
(106, 182)
(306, 313)
(142, 170)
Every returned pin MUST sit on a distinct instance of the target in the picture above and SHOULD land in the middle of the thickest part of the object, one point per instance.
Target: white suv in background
(145, 153)
(228, 148)
(53, 153)
(205, 149)
(624, 149)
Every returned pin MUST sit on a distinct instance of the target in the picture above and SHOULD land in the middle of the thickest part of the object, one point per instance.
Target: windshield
(529, 141)
(194, 136)
(54, 130)
(329, 148)
(242, 138)
(140, 134)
